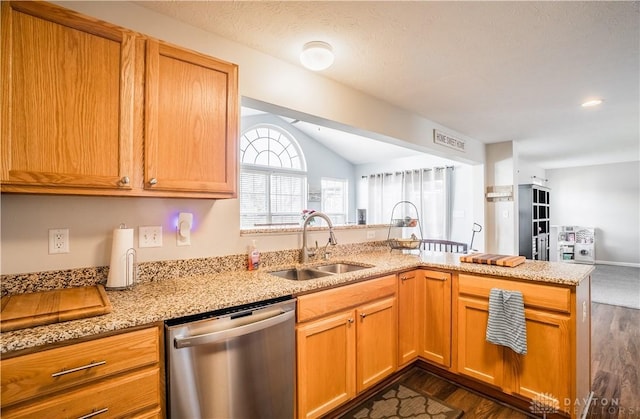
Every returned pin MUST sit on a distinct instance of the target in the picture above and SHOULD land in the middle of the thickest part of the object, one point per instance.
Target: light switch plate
(150, 236)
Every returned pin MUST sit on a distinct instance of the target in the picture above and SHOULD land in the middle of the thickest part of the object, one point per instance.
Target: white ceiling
(495, 71)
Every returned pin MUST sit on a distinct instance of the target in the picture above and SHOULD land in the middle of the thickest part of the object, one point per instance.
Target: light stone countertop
(181, 296)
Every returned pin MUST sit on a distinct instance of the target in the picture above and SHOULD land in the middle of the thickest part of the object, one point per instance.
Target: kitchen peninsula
(556, 297)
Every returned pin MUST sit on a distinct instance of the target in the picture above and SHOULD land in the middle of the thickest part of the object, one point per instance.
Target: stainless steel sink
(340, 268)
(300, 274)
(313, 272)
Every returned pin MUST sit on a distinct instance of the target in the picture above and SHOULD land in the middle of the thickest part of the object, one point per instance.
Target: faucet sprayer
(306, 252)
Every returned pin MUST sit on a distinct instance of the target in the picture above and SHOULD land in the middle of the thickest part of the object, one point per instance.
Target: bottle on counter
(254, 256)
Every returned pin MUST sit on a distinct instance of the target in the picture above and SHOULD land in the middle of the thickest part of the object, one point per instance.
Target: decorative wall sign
(315, 195)
(448, 141)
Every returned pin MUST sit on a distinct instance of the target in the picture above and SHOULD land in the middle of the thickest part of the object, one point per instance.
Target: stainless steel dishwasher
(233, 364)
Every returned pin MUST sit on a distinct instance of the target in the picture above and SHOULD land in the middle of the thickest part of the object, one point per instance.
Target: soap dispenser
(254, 257)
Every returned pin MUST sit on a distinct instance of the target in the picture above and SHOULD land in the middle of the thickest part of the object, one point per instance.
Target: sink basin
(300, 274)
(340, 268)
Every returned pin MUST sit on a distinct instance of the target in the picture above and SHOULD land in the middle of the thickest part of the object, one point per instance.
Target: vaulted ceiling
(495, 71)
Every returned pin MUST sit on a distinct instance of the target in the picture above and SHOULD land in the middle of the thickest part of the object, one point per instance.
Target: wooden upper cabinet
(89, 108)
(191, 122)
(67, 102)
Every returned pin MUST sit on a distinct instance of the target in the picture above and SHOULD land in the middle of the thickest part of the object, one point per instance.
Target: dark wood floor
(615, 361)
(615, 368)
(474, 405)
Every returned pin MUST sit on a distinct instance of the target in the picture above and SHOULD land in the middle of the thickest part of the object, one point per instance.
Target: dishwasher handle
(277, 317)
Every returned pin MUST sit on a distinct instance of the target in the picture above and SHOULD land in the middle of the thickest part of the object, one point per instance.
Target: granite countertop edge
(172, 298)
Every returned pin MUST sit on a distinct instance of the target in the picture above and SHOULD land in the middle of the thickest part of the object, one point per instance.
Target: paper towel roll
(122, 269)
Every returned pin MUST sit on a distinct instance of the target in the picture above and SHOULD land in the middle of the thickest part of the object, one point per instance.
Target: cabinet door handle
(403, 278)
(153, 181)
(350, 321)
(363, 315)
(124, 180)
(94, 413)
(76, 369)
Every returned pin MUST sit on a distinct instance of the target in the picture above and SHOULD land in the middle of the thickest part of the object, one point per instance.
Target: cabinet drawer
(114, 397)
(537, 295)
(42, 373)
(329, 301)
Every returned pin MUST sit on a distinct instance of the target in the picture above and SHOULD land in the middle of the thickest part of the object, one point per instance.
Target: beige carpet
(400, 401)
(616, 285)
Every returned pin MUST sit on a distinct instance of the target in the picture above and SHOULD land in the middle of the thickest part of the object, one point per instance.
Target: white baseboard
(608, 262)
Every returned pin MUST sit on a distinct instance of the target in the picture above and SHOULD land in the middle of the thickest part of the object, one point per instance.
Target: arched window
(273, 178)
(271, 146)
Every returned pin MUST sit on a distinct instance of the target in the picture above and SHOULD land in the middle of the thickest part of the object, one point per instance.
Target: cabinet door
(191, 122)
(542, 374)
(436, 316)
(476, 357)
(67, 102)
(377, 347)
(326, 363)
(408, 317)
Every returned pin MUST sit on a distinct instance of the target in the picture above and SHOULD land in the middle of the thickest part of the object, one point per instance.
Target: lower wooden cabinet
(113, 376)
(326, 363)
(347, 341)
(477, 358)
(547, 372)
(424, 317)
(435, 316)
(116, 397)
(408, 317)
(376, 345)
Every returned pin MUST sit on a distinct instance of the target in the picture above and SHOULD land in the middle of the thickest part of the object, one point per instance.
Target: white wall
(25, 220)
(502, 216)
(606, 197)
(530, 173)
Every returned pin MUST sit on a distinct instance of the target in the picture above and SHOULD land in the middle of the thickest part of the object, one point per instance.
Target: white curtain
(428, 189)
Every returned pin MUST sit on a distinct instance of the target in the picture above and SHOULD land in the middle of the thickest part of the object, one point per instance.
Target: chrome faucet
(306, 252)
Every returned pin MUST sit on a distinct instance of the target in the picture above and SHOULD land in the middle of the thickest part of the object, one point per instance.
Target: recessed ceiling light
(316, 55)
(592, 102)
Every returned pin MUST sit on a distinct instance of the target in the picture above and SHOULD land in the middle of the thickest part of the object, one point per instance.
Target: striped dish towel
(506, 324)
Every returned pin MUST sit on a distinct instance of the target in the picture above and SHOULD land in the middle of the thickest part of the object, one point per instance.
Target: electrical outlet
(58, 240)
(150, 236)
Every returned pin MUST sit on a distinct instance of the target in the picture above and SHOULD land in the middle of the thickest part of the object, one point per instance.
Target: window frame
(345, 204)
(269, 172)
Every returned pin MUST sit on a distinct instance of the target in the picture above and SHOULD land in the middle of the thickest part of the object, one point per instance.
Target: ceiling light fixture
(591, 103)
(316, 55)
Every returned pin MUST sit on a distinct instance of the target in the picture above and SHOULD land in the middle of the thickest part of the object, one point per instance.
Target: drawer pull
(84, 367)
(94, 413)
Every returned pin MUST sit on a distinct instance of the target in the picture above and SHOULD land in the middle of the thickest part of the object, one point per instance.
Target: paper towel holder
(130, 262)
(132, 267)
